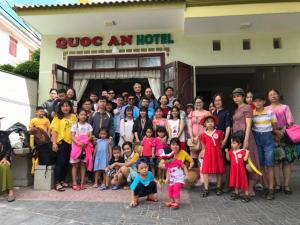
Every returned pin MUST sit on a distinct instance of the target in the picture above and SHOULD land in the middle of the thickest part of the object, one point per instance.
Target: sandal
(75, 187)
(205, 193)
(219, 192)
(277, 189)
(95, 186)
(65, 185)
(287, 190)
(59, 188)
(168, 204)
(175, 205)
(246, 199)
(234, 196)
(126, 187)
(82, 187)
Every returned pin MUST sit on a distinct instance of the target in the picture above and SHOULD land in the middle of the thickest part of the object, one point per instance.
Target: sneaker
(11, 198)
(205, 193)
(234, 196)
(219, 192)
(103, 187)
(115, 187)
(270, 195)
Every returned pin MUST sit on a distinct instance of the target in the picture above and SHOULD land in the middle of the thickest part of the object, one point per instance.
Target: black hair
(93, 93)
(60, 114)
(53, 89)
(87, 100)
(39, 108)
(198, 97)
(74, 98)
(117, 148)
(102, 98)
(127, 143)
(176, 141)
(275, 90)
(169, 87)
(120, 96)
(259, 96)
(174, 107)
(59, 91)
(140, 161)
(238, 137)
(158, 108)
(176, 100)
(109, 102)
(145, 98)
(161, 129)
(151, 128)
(221, 95)
(163, 96)
(103, 129)
(80, 110)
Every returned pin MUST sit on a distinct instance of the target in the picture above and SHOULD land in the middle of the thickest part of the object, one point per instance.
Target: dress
(175, 127)
(238, 173)
(125, 130)
(197, 129)
(213, 162)
(176, 178)
(239, 123)
(102, 154)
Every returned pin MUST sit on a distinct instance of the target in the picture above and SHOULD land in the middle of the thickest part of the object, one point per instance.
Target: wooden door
(180, 76)
(61, 77)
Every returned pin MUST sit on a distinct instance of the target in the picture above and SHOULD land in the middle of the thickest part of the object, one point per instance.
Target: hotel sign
(122, 40)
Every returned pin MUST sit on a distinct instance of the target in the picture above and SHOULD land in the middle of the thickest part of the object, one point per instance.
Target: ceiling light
(245, 25)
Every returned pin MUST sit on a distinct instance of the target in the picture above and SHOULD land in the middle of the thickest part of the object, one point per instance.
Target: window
(216, 44)
(105, 63)
(82, 64)
(246, 44)
(127, 63)
(277, 43)
(62, 77)
(150, 61)
(13, 46)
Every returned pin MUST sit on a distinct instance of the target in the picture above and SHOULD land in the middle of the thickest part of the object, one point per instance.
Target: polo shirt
(263, 121)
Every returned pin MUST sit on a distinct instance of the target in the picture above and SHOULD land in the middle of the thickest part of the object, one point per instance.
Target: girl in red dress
(238, 171)
(213, 162)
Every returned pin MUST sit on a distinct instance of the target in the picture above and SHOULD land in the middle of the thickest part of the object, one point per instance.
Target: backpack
(45, 154)
(18, 136)
(40, 136)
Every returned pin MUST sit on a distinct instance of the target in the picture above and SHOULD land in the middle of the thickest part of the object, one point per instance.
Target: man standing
(137, 88)
(169, 91)
(48, 105)
(131, 99)
(117, 118)
(111, 97)
(145, 103)
(94, 99)
(102, 119)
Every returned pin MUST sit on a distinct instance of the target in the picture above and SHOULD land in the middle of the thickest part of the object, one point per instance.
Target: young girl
(62, 139)
(238, 172)
(176, 173)
(213, 162)
(126, 126)
(160, 142)
(112, 169)
(149, 148)
(176, 127)
(82, 149)
(143, 184)
(158, 120)
(102, 155)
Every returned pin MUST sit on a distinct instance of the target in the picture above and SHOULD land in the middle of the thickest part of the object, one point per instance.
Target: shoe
(234, 196)
(259, 187)
(168, 204)
(287, 190)
(11, 198)
(103, 187)
(270, 195)
(246, 199)
(205, 193)
(75, 187)
(219, 192)
(115, 187)
(278, 189)
(82, 187)
(175, 205)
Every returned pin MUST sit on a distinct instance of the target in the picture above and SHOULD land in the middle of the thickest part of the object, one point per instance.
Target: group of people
(138, 142)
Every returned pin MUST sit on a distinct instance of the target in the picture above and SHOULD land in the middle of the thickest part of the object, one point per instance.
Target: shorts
(265, 147)
(156, 161)
(73, 161)
(175, 190)
(111, 173)
(142, 191)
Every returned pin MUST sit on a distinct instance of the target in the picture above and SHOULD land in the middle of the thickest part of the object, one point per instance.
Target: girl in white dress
(126, 126)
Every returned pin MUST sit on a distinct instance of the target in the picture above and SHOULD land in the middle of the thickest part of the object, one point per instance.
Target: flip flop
(59, 188)
(133, 204)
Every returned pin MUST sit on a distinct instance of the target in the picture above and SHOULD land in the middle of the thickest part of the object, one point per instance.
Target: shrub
(28, 69)
(7, 67)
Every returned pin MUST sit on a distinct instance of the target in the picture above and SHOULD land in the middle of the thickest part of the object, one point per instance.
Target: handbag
(294, 133)
(195, 147)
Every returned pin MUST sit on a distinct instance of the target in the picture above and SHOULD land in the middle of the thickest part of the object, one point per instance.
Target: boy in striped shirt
(264, 122)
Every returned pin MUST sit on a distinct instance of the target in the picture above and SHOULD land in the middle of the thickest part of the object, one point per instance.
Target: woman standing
(176, 127)
(285, 151)
(126, 126)
(62, 139)
(242, 121)
(164, 101)
(195, 127)
(71, 96)
(141, 124)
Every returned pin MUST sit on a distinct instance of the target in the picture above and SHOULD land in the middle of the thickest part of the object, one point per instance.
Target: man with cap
(264, 123)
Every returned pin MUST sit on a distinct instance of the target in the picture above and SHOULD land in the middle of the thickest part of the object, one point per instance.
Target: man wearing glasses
(111, 97)
(131, 99)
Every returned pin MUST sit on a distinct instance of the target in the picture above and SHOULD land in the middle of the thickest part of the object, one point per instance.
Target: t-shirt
(82, 129)
(175, 172)
(112, 161)
(42, 123)
(148, 144)
(63, 128)
(159, 145)
(132, 158)
(138, 179)
(184, 156)
(262, 121)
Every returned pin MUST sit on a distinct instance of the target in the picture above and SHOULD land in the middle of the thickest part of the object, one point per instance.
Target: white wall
(18, 99)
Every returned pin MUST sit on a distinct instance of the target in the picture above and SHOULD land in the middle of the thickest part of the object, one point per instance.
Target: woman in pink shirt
(285, 152)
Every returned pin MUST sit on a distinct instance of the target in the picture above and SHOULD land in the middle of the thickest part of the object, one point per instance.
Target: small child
(238, 171)
(102, 155)
(149, 148)
(82, 149)
(40, 121)
(160, 142)
(176, 173)
(213, 162)
(143, 184)
(111, 171)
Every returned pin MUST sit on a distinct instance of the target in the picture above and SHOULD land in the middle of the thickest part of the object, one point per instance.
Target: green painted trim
(192, 3)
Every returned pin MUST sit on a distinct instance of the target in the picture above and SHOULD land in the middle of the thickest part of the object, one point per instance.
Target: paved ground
(95, 207)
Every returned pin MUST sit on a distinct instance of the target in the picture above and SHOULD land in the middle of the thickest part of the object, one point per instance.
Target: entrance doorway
(258, 79)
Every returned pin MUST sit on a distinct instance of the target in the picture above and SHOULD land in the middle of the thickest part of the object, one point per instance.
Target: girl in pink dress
(213, 162)
(238, 172)
(149, 148)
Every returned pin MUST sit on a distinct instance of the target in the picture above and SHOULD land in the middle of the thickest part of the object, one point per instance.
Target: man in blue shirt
(131, 99)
